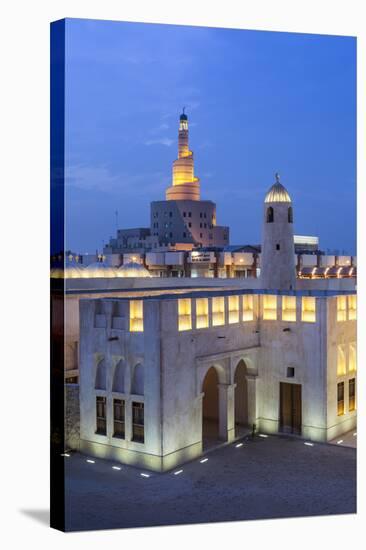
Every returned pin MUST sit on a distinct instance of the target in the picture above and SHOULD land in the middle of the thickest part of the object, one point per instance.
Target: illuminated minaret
(183, 220)
(185, 186)
(278, 251)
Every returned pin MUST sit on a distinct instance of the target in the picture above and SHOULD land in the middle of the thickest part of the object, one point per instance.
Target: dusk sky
(257, 103)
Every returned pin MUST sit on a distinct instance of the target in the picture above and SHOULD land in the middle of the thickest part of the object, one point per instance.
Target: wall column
(252, 399)
(128, 419)
(226, 412)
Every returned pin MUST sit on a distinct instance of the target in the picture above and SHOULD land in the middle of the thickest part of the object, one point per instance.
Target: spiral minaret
(185, 185)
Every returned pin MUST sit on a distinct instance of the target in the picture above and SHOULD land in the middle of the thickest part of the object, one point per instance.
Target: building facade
(162, 377)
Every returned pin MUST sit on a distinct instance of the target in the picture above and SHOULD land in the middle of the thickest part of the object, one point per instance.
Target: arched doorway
(241, 398)
(210, 407)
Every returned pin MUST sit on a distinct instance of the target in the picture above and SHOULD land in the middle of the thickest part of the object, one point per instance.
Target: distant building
(183, 218)
(183, 221)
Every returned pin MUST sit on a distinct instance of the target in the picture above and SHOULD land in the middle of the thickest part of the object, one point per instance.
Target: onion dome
(277, 193)
(99, 269)
(132, 269)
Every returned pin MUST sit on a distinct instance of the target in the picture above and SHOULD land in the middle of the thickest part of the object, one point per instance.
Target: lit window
(288, 308)
(218, 311)
(184, 314)
(352, 365)
(341, 361)
(340, 398)
(308, 309)
(248, 307)
(352, 394)
(352, 307)
(202, 312)
(341, 308)
(136, 316)
(233, 309)
(269, 307)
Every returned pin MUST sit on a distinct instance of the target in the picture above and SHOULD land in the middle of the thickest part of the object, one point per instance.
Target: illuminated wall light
(65, 454)
(136, 316)
(308, 309)
(269, 307)
(178, 472)
(184, 314)
(206, 459)
(233, 309)
(341, 308)
(218, 311)
(90, 461)
(340, 441)
(145, 475)
(289, 308)
(355, 434)
(248, 307)
(202, 313)
(263, 435)
(116, 468)
(309, 444)
(239, 445)
(352, 307)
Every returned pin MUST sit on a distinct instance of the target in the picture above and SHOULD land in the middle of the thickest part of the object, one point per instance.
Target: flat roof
(206, 293)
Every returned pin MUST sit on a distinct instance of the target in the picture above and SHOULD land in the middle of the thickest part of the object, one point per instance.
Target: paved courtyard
(271, 477)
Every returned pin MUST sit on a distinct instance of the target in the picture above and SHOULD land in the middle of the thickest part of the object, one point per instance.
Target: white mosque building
(166, 372)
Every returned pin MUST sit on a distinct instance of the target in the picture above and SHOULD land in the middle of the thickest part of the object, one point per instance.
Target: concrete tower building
(278, 251)
(183, 218)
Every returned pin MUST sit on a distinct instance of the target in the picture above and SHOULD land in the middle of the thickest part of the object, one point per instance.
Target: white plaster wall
(278, 266)
(339, 332)
(134, 348)
(181, 376)
(303, 348)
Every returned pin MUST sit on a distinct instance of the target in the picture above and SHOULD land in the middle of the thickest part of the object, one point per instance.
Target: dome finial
(277, 176)
(183, 116)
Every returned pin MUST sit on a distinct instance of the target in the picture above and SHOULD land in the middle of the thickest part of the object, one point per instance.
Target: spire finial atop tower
(183, 116)
(277, 176)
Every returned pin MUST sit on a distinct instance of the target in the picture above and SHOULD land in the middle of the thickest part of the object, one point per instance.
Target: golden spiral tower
(185, 185)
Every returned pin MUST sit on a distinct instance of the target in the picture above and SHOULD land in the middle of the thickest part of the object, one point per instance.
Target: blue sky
(257, 102)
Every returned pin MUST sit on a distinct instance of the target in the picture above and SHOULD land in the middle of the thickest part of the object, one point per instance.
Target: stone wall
(72, 417)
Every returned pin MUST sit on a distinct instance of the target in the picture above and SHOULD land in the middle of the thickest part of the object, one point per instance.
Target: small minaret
(185, 185)
(278, 250)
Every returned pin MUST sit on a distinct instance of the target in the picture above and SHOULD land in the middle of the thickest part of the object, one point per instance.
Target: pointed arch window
(101, 376)
(119, 377)
(138, 380)
(269, 215)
